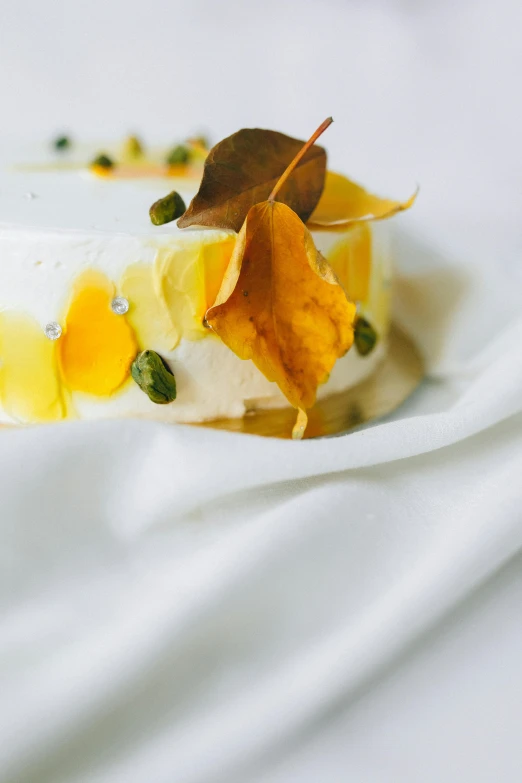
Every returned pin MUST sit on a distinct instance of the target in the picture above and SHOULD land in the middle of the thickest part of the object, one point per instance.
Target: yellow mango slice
(187, 281)
(30, 388)
(97, 346)
(351, 260)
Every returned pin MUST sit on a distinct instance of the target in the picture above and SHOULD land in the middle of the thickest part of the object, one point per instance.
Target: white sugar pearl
(53, 330)
(120, 305)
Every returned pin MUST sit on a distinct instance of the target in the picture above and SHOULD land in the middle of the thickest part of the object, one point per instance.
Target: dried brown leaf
(243, 169)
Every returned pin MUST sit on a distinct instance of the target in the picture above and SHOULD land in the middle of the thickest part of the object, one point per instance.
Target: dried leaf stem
(311, 141)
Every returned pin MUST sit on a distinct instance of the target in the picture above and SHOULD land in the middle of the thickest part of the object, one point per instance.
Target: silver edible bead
(53, 330)
(120, 305)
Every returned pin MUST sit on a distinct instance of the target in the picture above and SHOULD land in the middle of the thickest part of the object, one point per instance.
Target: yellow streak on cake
(30, 388)
(214, 259)
(351, 258)
(187, 281)
(147, 315)
(98, 346)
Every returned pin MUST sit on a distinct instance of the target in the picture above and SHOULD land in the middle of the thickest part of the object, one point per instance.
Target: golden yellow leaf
(344, 203)
(97, 346)
(280, 304)
(30, 387)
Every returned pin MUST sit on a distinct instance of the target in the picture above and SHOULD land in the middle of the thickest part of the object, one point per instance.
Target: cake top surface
(41, 189)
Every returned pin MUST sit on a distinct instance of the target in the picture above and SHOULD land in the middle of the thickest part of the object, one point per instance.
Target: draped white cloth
(181, 604)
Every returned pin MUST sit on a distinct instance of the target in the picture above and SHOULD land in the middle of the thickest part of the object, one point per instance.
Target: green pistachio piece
(365, 336)
(154, 377)
(62, 143)
(103, 161)
(167, 209)
(177, 155)
(132, 148)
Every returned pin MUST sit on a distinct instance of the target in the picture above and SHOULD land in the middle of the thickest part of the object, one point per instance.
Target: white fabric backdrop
(187, 605)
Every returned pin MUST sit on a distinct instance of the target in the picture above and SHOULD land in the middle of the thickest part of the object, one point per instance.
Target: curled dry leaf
(344, 203)
(243, 169)
(280, 305)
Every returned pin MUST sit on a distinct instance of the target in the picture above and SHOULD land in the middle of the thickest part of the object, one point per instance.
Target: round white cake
(86, 281)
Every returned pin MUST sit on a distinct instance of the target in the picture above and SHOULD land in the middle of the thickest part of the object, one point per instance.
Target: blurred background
(420, 91)
(413, 85)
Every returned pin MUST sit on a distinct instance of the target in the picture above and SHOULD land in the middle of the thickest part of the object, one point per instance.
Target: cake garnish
(102, 164)
(132, 148)
(280, 303)
(62, 143)
(365, 336)
(120, 305)
(53, 330)
(178, 155)
(242, 170)
(154, 377)
(344, 203)
(167, 209)
(199, 142)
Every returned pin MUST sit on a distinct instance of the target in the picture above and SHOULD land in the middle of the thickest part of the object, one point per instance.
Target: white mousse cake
(87, 282)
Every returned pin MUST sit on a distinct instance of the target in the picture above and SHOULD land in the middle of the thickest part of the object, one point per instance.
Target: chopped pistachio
(365, 336)
(167, 209)
(62, 143)
(178, 155)
(154, 377)
(132, 147)
(103, 161)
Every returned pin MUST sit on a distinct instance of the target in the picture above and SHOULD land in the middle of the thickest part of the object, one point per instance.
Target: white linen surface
(179, 604)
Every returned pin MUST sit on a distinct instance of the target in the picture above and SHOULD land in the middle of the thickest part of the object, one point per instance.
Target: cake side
(158, 276)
